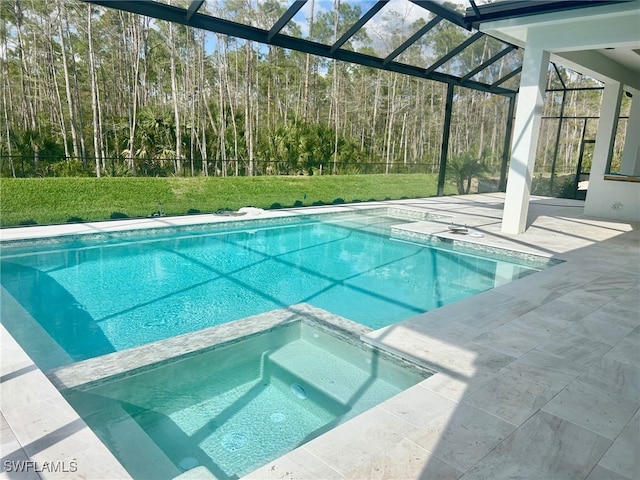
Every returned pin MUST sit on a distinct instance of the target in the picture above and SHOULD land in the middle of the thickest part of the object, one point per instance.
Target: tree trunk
(174, 96)
(403, 138)
(392, 108)
(248, 130)
(30, 121)
(374, 121)
(335, 89)
(56, 87)
(221, 90)
(307, 67)
(27, 95)
(6, 124)
(75, 94)
(482, 119)
(134, 101)
(232, 112)
(97, 149)
(192, 130)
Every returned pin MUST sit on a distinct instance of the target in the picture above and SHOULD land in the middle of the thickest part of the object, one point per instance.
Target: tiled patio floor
(539, 378)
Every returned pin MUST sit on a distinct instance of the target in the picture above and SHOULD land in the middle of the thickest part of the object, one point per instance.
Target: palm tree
(464, 168)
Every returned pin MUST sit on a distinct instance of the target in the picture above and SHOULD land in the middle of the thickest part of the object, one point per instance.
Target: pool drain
(278, 417)
(187, 463)
(298, 391)
(234, 441)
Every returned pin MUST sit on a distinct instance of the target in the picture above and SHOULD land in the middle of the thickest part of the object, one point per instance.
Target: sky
(407, 10)
(376, 27)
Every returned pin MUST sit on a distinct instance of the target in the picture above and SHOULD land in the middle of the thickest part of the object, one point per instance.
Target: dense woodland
(88, 91)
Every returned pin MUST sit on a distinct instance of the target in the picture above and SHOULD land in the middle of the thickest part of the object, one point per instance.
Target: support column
(603, 148)
(446, 130)
(631, 153)
(535, 65)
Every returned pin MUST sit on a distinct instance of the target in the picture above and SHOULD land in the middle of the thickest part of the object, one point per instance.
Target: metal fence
(31, 166)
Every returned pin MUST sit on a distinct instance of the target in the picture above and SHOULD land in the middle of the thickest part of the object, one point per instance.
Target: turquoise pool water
(94, 298)
(234, 408)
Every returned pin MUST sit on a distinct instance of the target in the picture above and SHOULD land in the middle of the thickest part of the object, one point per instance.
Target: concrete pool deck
(539, 378)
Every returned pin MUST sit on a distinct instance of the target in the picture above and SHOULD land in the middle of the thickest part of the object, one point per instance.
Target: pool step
(316, 369)
(129, 442)
(198, 473)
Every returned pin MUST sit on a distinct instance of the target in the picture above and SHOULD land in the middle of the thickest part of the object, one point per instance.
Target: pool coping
(42, 435)
(423, 227)
(106, 368)
(68, 232)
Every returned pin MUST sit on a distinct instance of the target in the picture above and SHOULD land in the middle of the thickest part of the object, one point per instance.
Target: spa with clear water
(234, 407)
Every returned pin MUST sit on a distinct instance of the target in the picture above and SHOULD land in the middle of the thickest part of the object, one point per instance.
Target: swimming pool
(235, 407)
(92, 297)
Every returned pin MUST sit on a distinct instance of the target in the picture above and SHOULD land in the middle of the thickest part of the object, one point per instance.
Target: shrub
(29, 221)
(567, 189)
(318, 203)
(563, 186)
(275, 206)
(298, 203)
(464, 168)
(116, 215)
(338, 201)
(68, 168)
(74, 220)
(193, 211)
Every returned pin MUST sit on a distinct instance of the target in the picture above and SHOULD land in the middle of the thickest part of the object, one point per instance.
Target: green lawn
(58, 200)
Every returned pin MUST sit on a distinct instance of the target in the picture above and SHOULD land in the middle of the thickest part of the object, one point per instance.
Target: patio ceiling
(506, 9)
(602, 42)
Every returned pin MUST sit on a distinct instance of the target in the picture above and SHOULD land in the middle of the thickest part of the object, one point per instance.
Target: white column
(525, 138)
(603, 148)
(631, 154)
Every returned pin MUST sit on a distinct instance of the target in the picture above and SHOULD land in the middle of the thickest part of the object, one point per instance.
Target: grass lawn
(59, 200)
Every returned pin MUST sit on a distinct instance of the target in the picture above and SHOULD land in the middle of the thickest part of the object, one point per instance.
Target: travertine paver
(622, 458)
(544, 447)
(593, 408)
(38, 425)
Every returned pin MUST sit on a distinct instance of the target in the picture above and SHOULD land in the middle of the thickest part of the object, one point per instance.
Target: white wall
(614, 200)
(619, 200)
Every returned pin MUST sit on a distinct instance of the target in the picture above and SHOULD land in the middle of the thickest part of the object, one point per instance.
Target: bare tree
(97, 134)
